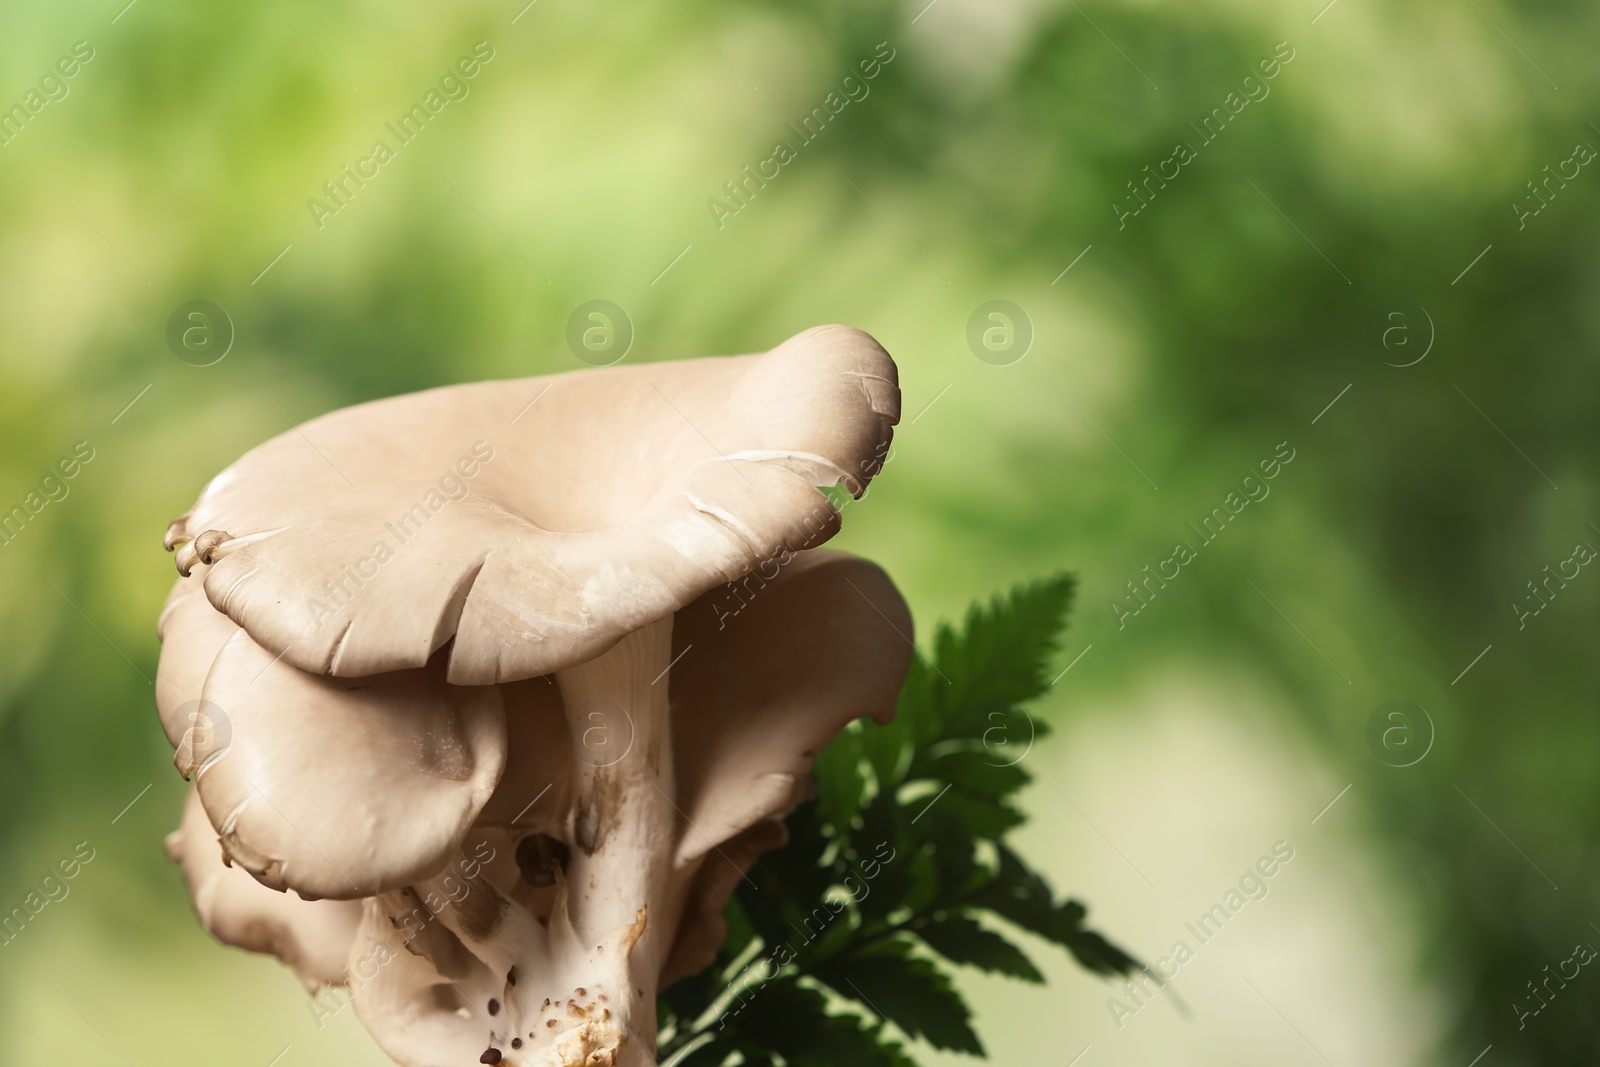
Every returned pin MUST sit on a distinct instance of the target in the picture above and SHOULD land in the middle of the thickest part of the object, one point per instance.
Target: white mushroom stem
(566, 1006)
(622, 808)
(585, 992)
(622, 811)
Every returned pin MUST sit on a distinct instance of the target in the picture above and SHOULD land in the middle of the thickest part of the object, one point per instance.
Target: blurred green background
(1182, 348)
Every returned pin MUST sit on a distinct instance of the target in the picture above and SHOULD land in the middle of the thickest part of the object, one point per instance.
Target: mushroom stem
(618, 903)
(622, 807)
(623, 811)
(561, 1017)
(586, 995)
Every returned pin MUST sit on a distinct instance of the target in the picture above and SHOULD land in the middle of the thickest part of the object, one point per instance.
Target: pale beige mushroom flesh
(532, 670)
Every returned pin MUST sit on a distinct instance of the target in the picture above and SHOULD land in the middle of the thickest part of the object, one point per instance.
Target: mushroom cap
(312, 936)
(329, 787)
(531, 524)
(344, 788)
(825, 640)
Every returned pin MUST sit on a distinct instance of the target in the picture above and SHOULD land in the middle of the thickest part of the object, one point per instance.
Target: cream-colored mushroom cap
(532, 523)
(312, 937)
(329, 787)
(343, 788)
(827, 640)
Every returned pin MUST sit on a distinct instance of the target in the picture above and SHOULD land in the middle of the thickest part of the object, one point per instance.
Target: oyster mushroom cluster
(471, 725)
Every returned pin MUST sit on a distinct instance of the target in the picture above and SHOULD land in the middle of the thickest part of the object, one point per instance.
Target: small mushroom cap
(311, 936)
(532, 524)
(827, 639)
(341, 788)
